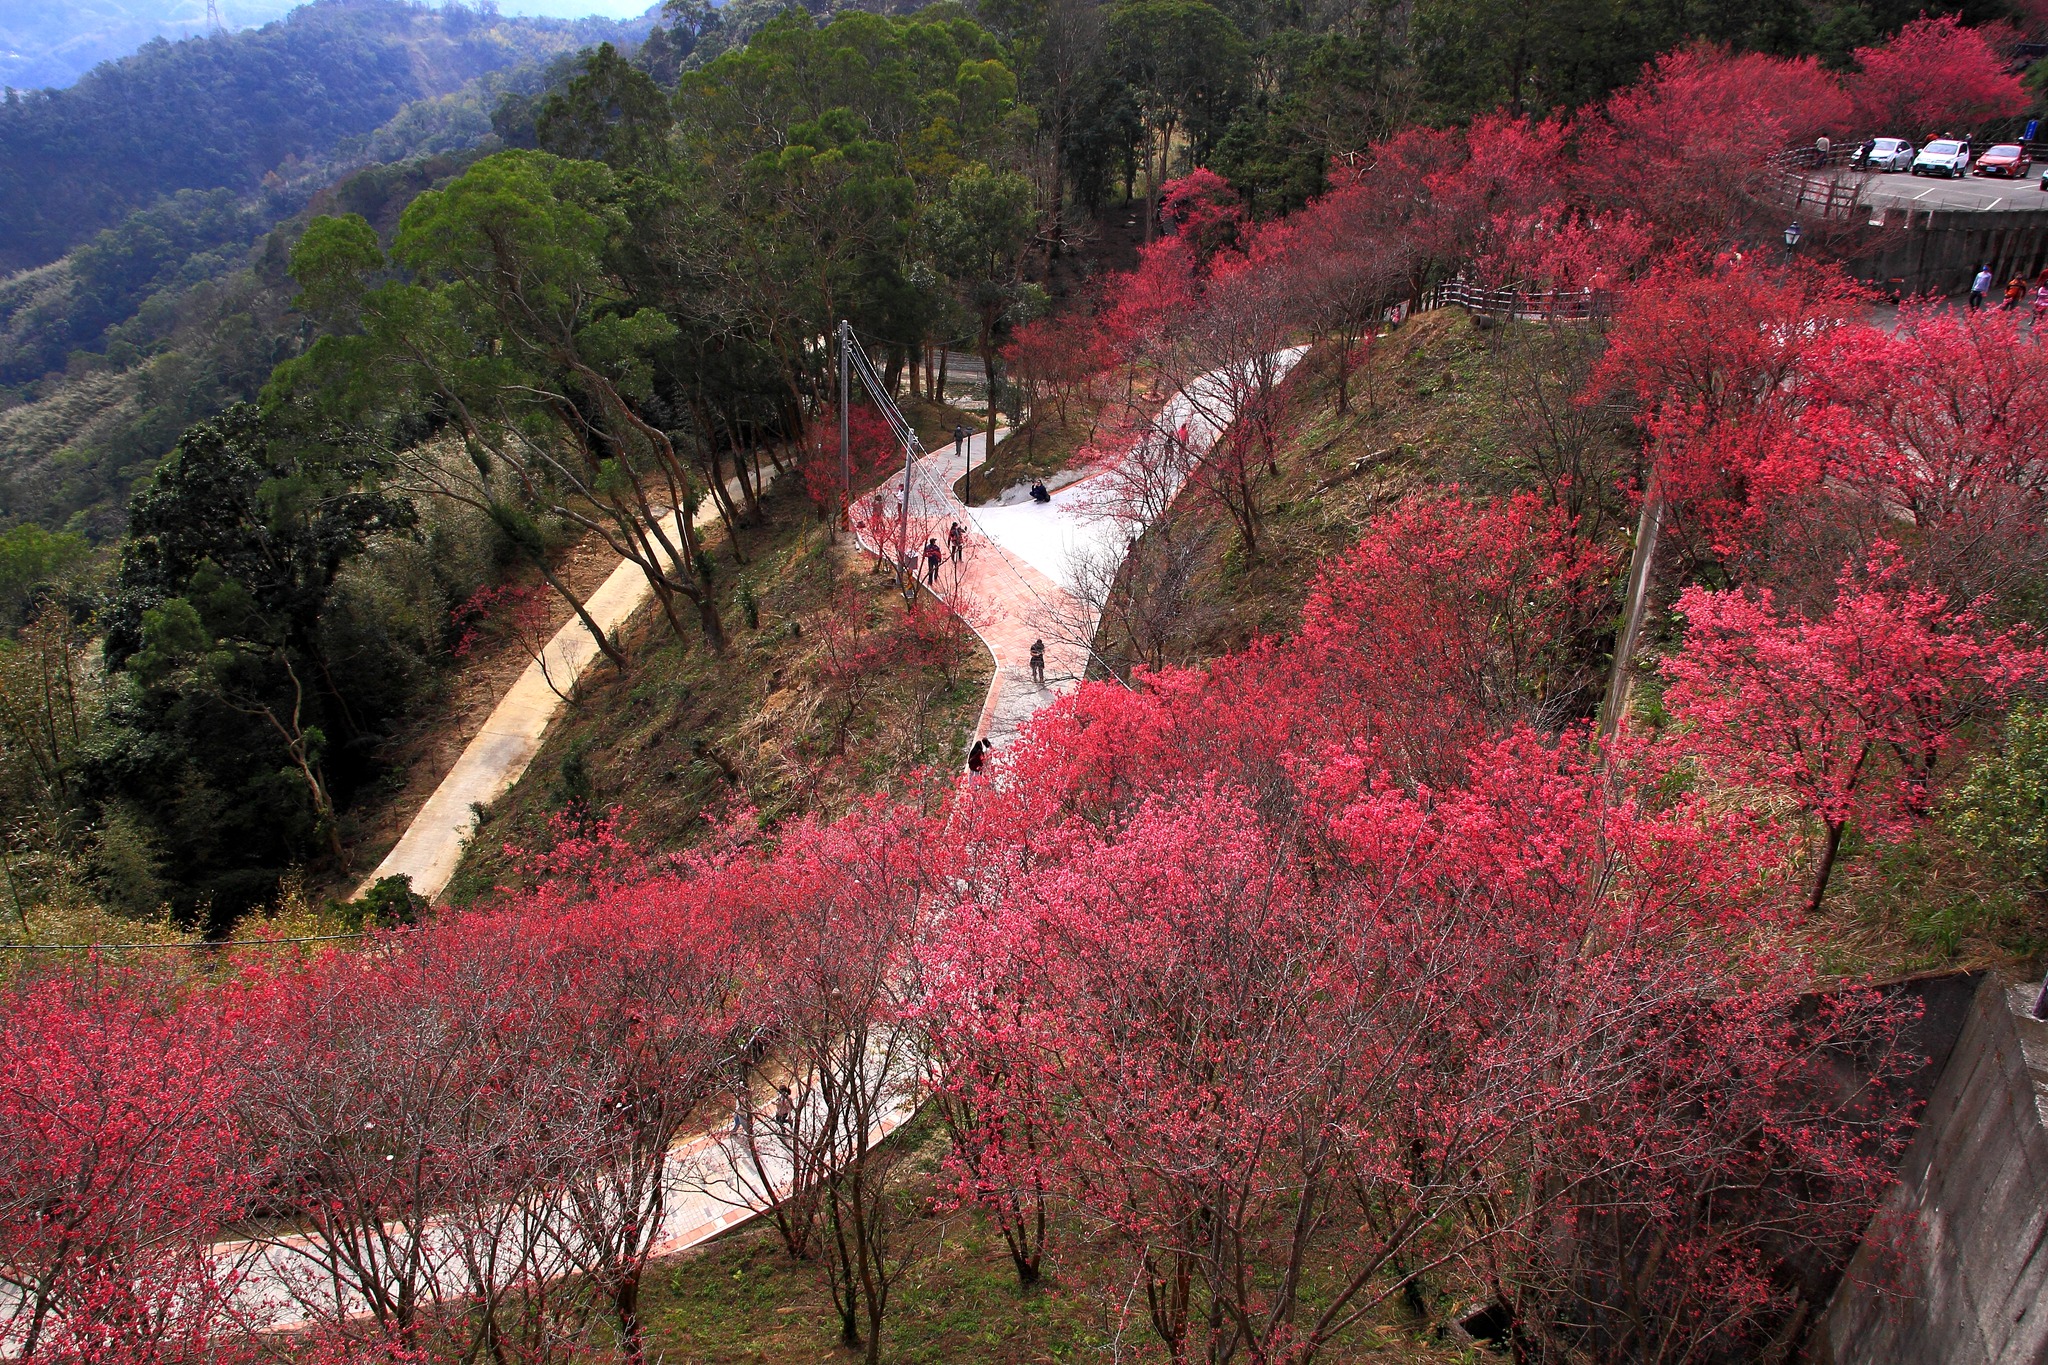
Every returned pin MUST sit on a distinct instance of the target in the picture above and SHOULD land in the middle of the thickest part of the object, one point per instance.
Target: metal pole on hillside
(904, 563)
(1638, 593)
(845, 451)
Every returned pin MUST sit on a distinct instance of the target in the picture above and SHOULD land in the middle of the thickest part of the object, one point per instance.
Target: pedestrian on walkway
(1980, 286)
(2015, 293)
(2040, 306)
(1038, 662)
(933, 557)
(956, 536)
(785, 1109)
(959, 438)
(743, 1117)
(977, 760)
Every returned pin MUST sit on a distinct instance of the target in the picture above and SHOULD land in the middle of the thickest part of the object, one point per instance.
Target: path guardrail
(1522, 305)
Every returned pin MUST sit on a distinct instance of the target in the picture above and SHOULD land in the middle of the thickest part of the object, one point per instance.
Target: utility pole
(854, 364)
(845, 451)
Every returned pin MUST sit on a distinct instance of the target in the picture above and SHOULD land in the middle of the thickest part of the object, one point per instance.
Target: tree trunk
(604, 645)
(1829, 848)
(988, 372)
(626, 1303)
(708, 618)
(714, 476)
(1343, 373)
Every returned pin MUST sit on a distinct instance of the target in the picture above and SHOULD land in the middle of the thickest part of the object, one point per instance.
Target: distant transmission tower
(213, 22)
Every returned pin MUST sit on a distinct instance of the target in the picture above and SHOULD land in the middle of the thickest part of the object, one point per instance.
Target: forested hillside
(227, 111)
(1561, 646)
(50, 45)
(172, 313)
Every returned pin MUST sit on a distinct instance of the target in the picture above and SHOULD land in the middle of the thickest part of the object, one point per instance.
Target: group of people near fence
(2015, 292)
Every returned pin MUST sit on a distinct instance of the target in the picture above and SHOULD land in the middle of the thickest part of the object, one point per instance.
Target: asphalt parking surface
(1901, 190)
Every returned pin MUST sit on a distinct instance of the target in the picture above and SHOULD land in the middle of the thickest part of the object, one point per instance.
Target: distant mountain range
(49, 43)
(231, 111)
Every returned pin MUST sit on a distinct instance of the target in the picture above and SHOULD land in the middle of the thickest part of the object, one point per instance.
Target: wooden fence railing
(1526, 305)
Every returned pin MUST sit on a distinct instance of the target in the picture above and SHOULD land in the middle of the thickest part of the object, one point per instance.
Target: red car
(2007, 159)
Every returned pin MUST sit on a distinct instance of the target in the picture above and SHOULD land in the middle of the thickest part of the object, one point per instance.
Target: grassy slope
(742, 1301)
(1432, 406)
(835, 693)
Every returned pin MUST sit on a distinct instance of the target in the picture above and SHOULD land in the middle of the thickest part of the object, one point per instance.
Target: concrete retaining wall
(1972, 1285)
(1922, 250)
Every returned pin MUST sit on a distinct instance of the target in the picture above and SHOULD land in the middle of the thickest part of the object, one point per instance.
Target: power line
(852, 349)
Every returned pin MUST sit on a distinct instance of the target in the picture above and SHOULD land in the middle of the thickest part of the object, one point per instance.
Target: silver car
(1889, 154)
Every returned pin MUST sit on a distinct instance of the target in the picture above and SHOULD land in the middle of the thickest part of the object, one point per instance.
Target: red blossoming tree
(1933, 78)
(1935, 424)
(120, 1160)
(1851, 714)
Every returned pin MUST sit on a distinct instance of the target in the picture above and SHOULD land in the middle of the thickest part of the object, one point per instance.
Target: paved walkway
(1030, 571)
(1041, 571)
(497, 757)
(713, 1183)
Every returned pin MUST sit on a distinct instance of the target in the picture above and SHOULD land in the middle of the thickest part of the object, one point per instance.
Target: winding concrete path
(1030, 572)
(431, 847)
(1039, 571)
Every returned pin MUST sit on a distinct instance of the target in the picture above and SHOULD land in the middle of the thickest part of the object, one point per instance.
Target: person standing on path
(959, 438)
(933, 557)
(2040, 306)
(785, 1109)
(1038, 662)
(956, 536)
(977, 760)
(1980, 286)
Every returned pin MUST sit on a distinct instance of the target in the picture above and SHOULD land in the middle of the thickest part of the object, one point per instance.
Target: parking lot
(1900, 190)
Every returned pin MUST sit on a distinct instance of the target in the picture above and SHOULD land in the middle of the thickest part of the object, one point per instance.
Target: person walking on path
(785, 1109)
(1038, 662)
(977, 760)
(959, 438)
(933, 557)
(2015, 291)
(2040, 306)
(1980, 286)
(956, 536)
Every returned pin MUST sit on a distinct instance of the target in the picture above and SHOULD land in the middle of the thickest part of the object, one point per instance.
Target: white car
(1890, 154)
(1943, 157)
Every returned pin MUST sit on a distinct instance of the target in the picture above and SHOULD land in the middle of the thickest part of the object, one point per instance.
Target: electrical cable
(906, 435)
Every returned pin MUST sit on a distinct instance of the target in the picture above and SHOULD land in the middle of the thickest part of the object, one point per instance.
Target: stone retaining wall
(1970, 1283)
